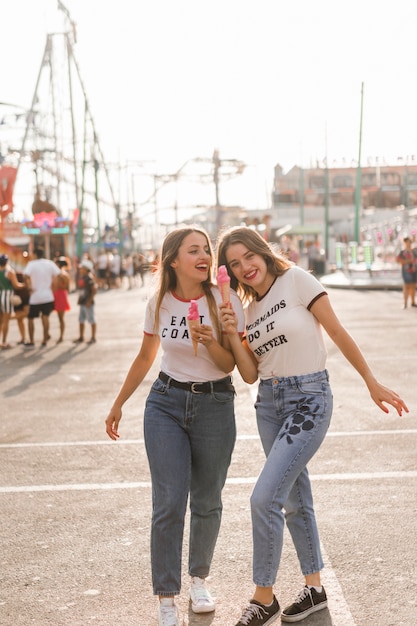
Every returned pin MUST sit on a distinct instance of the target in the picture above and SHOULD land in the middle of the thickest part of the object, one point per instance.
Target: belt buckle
(193, 389)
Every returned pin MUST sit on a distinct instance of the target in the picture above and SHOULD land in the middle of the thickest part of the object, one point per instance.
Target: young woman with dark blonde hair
(284, 348)
(189, 420)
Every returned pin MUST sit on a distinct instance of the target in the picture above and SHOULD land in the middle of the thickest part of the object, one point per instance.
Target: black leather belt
(225, 384)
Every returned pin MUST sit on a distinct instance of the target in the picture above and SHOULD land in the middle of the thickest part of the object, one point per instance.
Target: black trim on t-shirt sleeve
(323, 293)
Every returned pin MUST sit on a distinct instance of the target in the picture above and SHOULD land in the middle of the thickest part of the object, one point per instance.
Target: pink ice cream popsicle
(223, 282)
(193, 319)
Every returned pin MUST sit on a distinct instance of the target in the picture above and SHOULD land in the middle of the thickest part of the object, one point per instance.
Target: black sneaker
(258, 614)
(309, 601)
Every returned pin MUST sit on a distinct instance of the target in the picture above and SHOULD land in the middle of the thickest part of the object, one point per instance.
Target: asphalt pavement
(75, 507)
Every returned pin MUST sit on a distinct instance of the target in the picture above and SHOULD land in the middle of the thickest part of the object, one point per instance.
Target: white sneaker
(168, 613)
(201, 599)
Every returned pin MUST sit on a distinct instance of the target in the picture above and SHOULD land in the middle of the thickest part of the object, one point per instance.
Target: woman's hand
(202, 334)
(228, 319)
(112, 423)
(380, 394)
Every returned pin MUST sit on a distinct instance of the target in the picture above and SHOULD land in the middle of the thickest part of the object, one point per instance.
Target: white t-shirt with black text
(178, 359)
(283, 334)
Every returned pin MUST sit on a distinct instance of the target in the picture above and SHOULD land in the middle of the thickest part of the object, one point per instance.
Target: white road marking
(250, 480)
(120, 442)
(339, 609)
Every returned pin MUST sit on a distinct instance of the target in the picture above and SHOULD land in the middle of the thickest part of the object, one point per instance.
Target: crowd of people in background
(112, 269)
(43, 286)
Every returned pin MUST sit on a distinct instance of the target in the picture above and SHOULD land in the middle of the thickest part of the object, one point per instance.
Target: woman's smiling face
(194, 259)
(249, 268)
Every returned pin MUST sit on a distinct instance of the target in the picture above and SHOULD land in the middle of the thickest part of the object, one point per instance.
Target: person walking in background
(140, 266)
(61, 302)
(189, 420)
(407, 258)
(8, 283)
(115, 266)
(86, 291)
(103, 269)
(39, 275)
(21, 310)
(128, 269)
(284, 348)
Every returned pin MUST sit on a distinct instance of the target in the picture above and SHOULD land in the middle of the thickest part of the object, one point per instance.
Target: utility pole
(359, 177)
(326, 210)
(301, 192)
(237, 166)
(216, 163)
(326, 202)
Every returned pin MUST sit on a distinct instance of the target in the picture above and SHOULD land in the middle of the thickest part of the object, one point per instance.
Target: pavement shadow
(13, 363)
(199, 619)
(321, 618)
(46, 368)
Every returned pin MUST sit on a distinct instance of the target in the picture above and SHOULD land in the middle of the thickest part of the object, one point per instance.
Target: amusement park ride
(50, 157)
(55, 186)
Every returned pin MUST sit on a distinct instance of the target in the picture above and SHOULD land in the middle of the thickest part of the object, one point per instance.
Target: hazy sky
(264, 81)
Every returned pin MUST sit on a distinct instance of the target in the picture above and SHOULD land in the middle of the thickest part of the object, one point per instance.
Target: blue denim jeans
(189, 440)
(293, 415)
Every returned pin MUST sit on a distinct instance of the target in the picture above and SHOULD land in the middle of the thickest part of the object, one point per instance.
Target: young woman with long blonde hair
(189, 420)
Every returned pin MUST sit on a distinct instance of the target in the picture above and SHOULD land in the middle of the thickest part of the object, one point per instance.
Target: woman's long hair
(167, 279)
(276, 263)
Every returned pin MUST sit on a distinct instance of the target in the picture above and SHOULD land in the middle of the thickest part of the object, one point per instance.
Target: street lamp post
(301, 186)
(216, 163)
(238, 168)
(359, 175)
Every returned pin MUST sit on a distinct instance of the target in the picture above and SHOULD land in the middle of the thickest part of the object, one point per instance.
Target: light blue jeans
(293, 416)
(189, 440)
